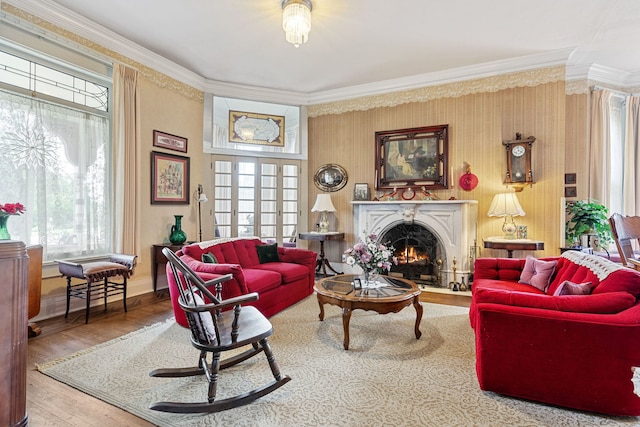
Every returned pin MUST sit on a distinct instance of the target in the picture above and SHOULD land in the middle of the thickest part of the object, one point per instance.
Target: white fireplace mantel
(454, 222)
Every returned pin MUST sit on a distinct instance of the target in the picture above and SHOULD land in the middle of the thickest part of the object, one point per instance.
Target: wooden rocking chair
(217, 327)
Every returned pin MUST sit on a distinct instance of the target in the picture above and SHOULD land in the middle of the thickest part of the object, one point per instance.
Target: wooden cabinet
(14, 266)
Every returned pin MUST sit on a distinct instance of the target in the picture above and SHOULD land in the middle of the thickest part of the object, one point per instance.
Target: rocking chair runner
(216, 328)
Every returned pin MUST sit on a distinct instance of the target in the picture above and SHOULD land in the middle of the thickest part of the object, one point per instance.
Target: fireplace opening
(419, 253)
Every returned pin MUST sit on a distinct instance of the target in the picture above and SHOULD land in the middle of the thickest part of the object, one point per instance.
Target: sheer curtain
(126, 159)
(53, 160)
(631, 188)
(600, 147)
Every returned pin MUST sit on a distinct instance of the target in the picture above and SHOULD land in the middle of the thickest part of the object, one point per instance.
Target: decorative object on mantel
(330, 177)
(323, 205)
(408, 194)
(468, 181)
(427, 195)
(506, 205)
(6, 211)
(361, 192)
(389, 197)
(412, 158)
(177, 236)
(519, 172)
(372, 257)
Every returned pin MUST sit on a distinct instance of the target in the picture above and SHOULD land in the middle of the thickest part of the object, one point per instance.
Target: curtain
(126, 159)
(631, 188)
(53, 160)
(600, 147)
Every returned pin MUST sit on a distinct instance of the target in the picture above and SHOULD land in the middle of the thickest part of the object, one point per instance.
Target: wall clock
(519, 170)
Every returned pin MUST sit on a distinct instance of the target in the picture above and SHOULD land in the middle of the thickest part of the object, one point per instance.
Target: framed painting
(169, 179)
(330, 177)
(168, 141)
(255, 128)
(416, 157)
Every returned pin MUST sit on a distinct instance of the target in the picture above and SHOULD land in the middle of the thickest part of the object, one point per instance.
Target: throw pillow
(209, 258)
(203, 320)
(537, 273)
(268, 253)
(570, 288)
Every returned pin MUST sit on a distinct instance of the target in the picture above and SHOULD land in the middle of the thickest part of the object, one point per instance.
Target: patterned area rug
(386, 378)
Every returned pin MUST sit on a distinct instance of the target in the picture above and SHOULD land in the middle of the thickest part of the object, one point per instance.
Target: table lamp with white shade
(323, 205)
(506, 205)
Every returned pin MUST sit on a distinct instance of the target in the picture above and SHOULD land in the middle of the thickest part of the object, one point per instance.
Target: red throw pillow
(570, 288)
(537, 273)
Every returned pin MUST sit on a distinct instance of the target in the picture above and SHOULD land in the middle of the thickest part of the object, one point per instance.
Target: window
(256, 197)
(55, 157)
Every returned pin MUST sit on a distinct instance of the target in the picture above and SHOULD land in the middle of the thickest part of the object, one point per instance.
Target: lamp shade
(505, 204)
(323, 204)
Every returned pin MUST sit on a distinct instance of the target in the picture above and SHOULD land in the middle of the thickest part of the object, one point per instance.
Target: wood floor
(51, 403)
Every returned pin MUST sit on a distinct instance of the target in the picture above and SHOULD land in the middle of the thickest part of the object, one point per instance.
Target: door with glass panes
(256, 197)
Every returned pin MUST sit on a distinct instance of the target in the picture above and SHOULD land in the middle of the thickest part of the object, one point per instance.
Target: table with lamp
(323, 205)
(507, 205)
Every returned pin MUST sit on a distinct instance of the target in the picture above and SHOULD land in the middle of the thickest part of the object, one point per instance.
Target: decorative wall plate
(330, 177)
(408, 194)
(468, 181)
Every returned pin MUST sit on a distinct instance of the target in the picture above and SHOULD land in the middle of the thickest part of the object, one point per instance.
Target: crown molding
(89, 30)
(454, 75)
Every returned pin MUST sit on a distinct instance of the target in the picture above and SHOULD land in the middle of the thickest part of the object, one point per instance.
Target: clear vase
(4, 233)
(370, 278)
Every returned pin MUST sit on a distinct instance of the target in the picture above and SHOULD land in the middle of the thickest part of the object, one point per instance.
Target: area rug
(386, 378)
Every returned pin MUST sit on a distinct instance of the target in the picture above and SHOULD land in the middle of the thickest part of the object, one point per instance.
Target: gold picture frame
(256, 128)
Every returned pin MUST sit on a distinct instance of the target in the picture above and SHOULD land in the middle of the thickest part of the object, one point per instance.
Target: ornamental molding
(527, 78)
(54, 32)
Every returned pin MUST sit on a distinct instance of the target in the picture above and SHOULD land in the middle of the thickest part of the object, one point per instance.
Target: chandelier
(296, 20)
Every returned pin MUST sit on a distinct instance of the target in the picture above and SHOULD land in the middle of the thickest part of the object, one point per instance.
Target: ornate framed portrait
(416, 157)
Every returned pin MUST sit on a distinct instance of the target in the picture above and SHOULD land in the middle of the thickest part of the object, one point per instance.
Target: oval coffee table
(394, 295)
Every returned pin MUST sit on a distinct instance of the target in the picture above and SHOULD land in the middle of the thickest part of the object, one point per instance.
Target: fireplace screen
(419, 254)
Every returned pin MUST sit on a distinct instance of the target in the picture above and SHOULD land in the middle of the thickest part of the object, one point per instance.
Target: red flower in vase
(12, 209)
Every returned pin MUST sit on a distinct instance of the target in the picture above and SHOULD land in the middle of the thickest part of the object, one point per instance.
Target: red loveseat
(575, 351)
(279, 283)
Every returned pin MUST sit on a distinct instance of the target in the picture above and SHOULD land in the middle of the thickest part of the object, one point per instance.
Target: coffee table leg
(321, 315)
(346, 318)
(418, 306)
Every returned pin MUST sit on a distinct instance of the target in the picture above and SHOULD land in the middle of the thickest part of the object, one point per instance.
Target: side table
(513, 245)
(160, 259)
(322, 263)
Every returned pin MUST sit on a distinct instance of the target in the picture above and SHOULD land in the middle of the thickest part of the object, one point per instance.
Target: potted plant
(587, 217)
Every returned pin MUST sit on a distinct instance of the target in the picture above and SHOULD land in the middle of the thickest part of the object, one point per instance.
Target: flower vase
(370, 278)
(177, 236)
(4, 233)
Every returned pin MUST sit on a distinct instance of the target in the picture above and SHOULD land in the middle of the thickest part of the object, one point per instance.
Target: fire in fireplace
(419, 253)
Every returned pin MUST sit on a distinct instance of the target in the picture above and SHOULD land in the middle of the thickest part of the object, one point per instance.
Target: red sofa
(575, 351)
(279, 284)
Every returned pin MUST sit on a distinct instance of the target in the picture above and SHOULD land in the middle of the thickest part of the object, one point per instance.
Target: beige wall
(478, 124)
(577, 159)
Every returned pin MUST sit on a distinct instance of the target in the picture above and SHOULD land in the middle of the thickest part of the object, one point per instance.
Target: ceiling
(357, 42)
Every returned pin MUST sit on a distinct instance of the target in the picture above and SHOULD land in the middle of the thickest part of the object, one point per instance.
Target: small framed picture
(170, 142)
(169, 179)
(570, 178)
(357, 284)
(570, 192)
(361, 192)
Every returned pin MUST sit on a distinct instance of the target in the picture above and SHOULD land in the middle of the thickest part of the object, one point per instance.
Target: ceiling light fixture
(296, 20)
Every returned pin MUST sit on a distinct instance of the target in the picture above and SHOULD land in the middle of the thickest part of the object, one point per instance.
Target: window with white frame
(55, 155)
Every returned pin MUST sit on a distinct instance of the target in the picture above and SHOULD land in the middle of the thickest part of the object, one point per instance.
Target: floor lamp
(202, 198)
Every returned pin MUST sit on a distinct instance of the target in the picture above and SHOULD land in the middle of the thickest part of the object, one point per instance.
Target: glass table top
(384, 287)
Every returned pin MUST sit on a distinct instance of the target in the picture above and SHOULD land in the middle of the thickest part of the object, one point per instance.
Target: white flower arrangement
(370, 255)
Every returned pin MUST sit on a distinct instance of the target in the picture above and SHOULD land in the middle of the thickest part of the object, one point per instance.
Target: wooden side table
(511, 245)
(322, 263)
(160, 259)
